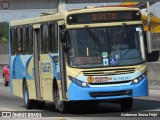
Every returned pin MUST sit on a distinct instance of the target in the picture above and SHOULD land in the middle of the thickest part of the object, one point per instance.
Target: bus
(88, 55)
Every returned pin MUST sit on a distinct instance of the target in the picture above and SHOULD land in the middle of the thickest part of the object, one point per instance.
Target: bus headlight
(84, 84)
(135, 81)
(138, 79)
(78, 82)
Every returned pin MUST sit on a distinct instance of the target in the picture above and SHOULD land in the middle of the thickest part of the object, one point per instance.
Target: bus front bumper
(76, 93)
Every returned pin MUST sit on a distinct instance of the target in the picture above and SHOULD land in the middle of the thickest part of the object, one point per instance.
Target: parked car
(6, 75)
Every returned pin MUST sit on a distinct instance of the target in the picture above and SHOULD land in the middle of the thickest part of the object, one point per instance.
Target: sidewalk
(154, 87)
(1, 80)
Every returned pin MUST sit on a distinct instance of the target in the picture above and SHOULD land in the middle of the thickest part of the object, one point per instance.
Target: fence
(155, 41)
(154, 73)
(3, 53)
(3, 56)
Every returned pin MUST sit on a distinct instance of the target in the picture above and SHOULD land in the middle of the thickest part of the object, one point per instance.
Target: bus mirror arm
(63, 32)
(63, 36)
(63, 40)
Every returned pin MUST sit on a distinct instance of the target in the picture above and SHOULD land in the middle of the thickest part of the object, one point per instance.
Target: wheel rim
(25, 95)
(57, 95)
(58, 101)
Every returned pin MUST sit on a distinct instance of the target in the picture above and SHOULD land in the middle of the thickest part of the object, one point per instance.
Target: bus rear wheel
(28, 103)
(126, 103)
(40, 104)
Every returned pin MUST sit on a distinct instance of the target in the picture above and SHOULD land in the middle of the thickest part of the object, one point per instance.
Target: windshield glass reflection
(107, 46)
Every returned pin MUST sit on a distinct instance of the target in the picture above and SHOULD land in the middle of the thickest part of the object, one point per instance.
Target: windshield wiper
(96, 39)
(118, 38)
(92, 35)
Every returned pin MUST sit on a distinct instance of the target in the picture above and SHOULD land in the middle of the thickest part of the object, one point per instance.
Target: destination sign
(104, 17)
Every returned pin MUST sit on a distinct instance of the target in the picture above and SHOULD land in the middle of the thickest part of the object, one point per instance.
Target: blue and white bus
(84, 55)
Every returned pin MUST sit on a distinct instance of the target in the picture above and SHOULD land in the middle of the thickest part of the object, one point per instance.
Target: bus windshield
(105, 46)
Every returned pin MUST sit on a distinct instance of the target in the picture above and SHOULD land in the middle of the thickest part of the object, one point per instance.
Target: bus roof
(62, 15)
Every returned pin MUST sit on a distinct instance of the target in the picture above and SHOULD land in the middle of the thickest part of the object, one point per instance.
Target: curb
(154, 87)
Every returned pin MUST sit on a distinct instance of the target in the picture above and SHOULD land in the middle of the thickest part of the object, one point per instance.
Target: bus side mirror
(63, 35)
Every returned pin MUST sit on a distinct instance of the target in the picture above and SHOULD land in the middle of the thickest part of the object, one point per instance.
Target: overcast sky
(16, 15)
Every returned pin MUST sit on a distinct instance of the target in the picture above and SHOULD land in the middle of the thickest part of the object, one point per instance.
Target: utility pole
(62, 5)
(13, 15)
(149, 43)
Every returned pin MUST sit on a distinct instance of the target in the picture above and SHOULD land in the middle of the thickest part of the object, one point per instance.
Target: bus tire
(59, 105)
(41, 104)
(28, 103)
(126, 103)
(64, 106)
(90, 103)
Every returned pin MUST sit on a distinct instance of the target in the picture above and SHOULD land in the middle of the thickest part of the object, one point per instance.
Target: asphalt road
(143, 105)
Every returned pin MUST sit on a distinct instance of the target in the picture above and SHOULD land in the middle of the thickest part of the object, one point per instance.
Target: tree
(4, 40)
(4, 29)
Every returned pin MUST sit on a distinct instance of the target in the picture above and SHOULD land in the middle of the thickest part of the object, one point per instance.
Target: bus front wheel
(126, 103)
(27, 101)
(60, 105)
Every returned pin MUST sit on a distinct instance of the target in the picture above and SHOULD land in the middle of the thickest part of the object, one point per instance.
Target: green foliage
(4, 27)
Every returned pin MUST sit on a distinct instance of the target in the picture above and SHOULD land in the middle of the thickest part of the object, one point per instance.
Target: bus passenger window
(27, 40)
(30, 39)
(45, 39)
(13, 41)
(19, 41)
(53, 41)
(24, 40)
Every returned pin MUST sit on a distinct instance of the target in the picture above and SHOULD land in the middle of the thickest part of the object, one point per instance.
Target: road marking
(155, 110)
(6, 109)
(154, 90)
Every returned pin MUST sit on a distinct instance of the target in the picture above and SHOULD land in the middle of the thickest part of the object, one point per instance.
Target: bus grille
(114, 93)
(106, 72)
(111, 83)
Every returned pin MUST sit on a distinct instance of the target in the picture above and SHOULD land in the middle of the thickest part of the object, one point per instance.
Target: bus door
(62, 61)
(36, 54)
(46, 65)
